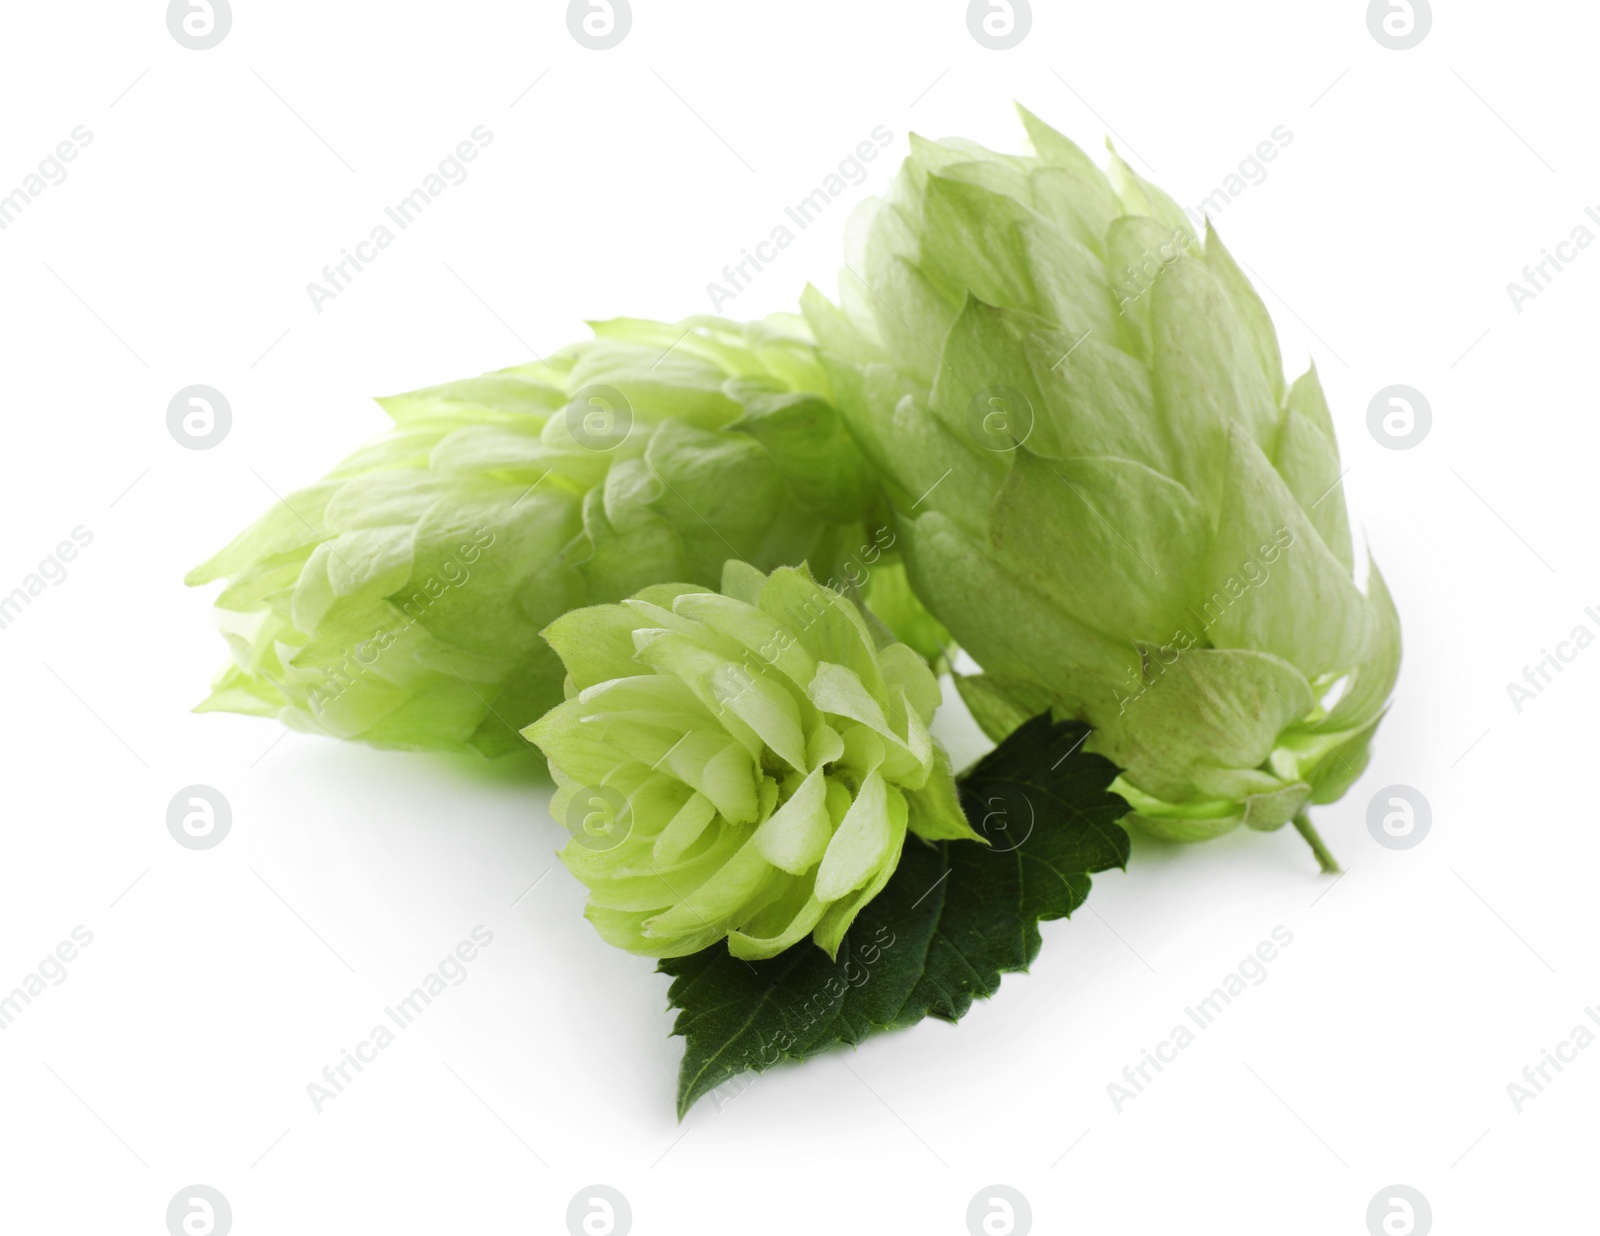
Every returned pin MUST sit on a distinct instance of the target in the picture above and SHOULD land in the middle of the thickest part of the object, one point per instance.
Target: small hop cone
(1104, 487)
(399, 600)
(741, 765)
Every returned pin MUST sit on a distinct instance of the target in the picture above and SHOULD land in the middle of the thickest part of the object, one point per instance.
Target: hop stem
(1325, 860)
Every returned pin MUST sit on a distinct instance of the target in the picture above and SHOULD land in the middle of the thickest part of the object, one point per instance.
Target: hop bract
(1105, 488)
(399, 600)
(742, 764)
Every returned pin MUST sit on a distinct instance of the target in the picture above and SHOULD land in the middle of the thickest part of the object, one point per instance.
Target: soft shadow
(1152, 851)
(517, 768)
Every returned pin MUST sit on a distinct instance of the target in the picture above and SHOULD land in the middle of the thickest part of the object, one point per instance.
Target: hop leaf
(951, 921)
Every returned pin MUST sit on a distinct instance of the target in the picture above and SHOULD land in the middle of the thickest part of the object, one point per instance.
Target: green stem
(1325, 860)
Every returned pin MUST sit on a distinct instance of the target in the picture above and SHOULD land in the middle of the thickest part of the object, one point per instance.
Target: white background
(218, 183)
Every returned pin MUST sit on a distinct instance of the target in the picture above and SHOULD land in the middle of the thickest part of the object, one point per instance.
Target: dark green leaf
(955, 916)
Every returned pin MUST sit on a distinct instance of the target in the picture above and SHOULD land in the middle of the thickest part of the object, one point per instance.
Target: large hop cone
(399, 601)
(1104, 487)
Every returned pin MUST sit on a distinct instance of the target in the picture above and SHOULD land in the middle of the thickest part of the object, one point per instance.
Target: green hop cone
(399, 600)
(742, 764)
(1104, 487)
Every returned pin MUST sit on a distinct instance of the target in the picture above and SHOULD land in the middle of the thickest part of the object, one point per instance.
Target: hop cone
(399, 600)
(1105, 489)
(742, 764)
